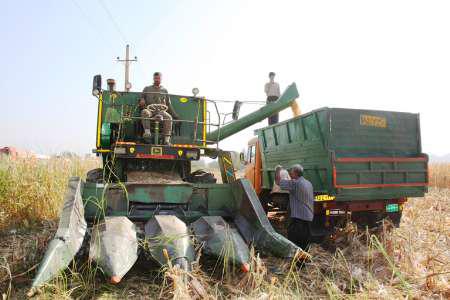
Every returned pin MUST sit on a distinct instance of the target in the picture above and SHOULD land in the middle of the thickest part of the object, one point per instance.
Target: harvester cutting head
(161, 209)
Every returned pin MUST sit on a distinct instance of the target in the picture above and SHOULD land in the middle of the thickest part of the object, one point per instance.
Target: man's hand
(278, 169)
(141, 103)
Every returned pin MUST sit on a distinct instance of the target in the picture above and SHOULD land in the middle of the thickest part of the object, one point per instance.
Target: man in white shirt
(272, 90)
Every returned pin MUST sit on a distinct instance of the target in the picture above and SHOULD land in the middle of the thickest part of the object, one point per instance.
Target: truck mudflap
(254, 226)
(68, 238)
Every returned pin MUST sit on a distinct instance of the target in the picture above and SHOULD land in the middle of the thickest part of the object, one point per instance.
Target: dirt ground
(412, 261)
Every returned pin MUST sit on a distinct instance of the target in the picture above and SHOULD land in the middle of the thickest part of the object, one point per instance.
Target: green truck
(363, 164)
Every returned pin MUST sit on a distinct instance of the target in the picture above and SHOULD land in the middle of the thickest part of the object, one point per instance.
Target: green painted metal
(289, 95)
(236, 201)
(105, 135)
(122, 107)
(319, 139)
(159, 193)
(253, 224)
(396, 133)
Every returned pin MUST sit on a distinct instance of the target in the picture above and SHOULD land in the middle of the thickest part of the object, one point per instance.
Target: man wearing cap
(272, 90)
(157, 94)
(301, 204)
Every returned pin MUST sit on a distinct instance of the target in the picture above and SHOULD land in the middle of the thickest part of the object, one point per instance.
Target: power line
(111, 18)
(85, 16)
(89, 21)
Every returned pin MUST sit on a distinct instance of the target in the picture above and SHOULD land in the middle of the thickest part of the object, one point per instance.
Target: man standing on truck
(272, 90)
(301, 204)
(157, 94)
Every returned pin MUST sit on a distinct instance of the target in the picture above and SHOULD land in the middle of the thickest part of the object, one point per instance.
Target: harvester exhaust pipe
(111, 84)
(114, 246)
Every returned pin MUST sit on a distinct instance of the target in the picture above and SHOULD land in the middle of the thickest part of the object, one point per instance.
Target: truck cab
(253, 164)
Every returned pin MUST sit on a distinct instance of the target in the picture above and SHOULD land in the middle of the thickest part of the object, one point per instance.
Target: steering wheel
(157, 107)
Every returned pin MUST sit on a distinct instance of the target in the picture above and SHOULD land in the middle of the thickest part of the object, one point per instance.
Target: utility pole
(127, 61)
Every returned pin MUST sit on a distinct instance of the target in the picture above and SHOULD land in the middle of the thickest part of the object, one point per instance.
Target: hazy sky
(389, 55)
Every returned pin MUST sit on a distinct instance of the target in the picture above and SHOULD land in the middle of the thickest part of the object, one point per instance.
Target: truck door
(250, 167)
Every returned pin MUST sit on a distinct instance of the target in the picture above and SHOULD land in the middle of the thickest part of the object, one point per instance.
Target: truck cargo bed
(350, 154)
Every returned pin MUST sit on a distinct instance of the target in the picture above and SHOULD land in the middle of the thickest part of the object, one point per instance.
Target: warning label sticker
(374, 121)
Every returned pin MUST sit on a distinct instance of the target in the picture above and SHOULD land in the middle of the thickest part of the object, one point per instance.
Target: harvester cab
(144, 191)
(120, 139)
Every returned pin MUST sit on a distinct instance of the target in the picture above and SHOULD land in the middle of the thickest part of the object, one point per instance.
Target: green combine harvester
(118, 209)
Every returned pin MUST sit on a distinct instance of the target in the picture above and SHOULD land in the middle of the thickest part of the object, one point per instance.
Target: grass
(32, 190)
(411, 261)
(440, 175)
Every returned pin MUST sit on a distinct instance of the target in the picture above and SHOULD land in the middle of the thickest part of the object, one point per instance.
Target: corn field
(412, 261)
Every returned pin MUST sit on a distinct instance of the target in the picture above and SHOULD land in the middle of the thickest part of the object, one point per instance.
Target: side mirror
(97, 85)
(236, 109)
(242, 158)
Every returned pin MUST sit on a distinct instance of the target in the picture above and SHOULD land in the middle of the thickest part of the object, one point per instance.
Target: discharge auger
(121, 207)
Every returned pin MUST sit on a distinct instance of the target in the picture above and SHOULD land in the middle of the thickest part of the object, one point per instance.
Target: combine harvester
(121, 213)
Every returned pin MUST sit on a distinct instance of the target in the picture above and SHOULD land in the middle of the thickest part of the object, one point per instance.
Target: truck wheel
(369, 219)
(395, 218)
(201, 176)
(95, 175)
(281, 201)
(373, 219)
(265, 199)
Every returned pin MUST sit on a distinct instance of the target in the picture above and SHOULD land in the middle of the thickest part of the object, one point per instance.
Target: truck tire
(373, 219)
(95, 176)
(264, 199)
(201, 176)
(395, 218)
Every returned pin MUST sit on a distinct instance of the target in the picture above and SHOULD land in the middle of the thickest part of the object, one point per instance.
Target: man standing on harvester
(272, 90)
(301, 203)
(157, 94)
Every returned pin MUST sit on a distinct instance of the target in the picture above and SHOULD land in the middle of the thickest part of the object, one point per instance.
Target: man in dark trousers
(157, 94)
(272, 90)
(301, 203)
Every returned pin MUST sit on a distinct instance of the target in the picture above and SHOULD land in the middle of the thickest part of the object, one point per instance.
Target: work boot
(147, 136)
(167, 140)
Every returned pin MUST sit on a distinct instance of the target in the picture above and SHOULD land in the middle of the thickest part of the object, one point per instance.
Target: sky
(387, 55)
